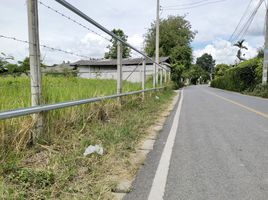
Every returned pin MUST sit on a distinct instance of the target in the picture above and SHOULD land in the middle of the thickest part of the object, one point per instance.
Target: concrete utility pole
(157, 41)
(34, 54)
(265, 60)
(119, 69)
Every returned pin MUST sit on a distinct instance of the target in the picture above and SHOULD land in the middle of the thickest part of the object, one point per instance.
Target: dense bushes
(246, 76)
(260, 90)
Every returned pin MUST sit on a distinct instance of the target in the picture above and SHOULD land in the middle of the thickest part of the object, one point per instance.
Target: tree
(4, 62)
(182, 55)
(24, 66)
(220, 70)
(112, 53)
(260, 53)
(196, 74)
(175, 37)
(206, 62)
(240, 45)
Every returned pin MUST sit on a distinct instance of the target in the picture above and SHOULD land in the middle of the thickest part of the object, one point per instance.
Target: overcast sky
(214, 23)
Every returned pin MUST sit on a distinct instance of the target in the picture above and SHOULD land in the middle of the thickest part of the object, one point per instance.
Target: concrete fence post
(154, 76)
(35, 71)
(143, 77)
(119, 70)
(161, 77)
(165, 73)
(169, 75)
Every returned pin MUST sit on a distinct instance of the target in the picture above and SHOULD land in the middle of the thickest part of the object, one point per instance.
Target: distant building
(107, 69)
(64, 67)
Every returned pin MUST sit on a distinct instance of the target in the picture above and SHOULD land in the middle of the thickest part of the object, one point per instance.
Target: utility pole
(35, 71)
(157, 41)
(265, 60)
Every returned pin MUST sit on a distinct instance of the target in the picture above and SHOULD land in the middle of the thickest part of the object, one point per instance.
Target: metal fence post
(143, 77)
(119, 69)
(35, 71)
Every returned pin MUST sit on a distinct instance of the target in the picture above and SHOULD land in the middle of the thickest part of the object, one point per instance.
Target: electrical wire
(196, 6)
(245, 30)
(246, 26)
(241, 19)
(189, 4)
(45, 46)
(72, 20)
(242, 32)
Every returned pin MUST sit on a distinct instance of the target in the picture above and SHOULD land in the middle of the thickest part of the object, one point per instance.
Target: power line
(241, 19)
(189, 4)
(44, 46)
(247, 24)
(73, 20)
(190, 7)
(245, 29)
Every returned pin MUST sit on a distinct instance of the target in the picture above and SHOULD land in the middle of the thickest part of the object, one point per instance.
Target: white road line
(158, 188)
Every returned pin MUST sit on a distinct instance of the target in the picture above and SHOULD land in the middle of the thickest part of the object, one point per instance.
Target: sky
(214, 23)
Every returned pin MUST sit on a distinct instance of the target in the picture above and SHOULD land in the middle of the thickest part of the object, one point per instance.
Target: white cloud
(211, 21)
(136, 40)
(91, 46)
(224, 52)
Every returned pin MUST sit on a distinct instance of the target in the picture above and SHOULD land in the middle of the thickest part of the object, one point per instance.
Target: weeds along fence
(35, 115)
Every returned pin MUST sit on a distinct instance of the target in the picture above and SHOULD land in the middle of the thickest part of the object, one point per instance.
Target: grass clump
(260, 90)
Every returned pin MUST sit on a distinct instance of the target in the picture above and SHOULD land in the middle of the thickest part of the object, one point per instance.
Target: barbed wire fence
(35, 73)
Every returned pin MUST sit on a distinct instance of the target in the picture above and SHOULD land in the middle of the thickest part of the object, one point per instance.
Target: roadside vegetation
(246, 77)
(55, 168)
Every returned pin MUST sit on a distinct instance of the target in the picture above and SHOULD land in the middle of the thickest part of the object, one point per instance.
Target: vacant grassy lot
(15, 92)
(55, 168)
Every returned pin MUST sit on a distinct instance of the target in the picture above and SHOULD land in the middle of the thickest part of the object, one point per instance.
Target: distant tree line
(9, 67)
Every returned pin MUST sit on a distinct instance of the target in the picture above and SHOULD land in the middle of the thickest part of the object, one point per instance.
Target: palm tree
(240, 45)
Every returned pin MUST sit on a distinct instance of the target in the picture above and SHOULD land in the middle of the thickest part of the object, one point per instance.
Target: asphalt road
(220, 151)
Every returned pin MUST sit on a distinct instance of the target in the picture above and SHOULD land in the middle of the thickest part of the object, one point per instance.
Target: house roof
(113, 62)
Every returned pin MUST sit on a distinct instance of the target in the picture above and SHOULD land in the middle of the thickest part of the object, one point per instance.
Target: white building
(107, 69)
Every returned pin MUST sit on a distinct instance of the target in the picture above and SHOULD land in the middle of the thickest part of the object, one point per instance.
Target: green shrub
(260, 90)
(243, 77)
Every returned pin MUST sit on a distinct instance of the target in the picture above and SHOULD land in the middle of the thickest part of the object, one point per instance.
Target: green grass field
(15, 92)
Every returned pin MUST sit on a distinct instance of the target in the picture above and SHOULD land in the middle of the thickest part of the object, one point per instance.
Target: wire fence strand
(45, 46)
(73, 20)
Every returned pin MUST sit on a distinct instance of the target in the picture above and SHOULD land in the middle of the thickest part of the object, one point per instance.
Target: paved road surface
(220, 151)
